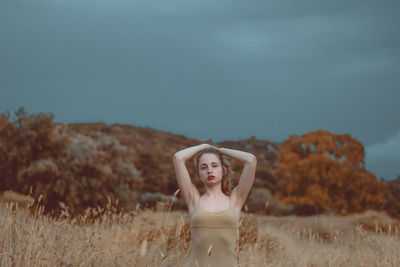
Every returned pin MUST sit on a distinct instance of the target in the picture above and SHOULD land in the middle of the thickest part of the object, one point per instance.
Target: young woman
(214, 216)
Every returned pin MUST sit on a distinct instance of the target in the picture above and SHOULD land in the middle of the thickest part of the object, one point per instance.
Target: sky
(219, 70)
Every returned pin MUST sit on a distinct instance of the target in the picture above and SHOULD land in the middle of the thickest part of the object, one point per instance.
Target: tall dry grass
(103, 237)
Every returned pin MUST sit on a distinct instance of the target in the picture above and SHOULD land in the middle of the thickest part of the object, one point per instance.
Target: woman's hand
(211, 146)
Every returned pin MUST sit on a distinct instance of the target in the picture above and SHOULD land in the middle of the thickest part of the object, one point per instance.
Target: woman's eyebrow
(206, 164)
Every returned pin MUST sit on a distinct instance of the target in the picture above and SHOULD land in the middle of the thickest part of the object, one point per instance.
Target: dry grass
(162, 238)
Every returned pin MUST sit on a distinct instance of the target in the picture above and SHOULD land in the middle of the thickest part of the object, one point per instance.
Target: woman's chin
(213, 182)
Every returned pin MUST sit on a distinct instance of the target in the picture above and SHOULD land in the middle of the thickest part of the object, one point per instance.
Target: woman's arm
(189, 191)
(240, 192)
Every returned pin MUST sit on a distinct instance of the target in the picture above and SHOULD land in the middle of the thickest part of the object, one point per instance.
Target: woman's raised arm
(189, 191)
(240, 192)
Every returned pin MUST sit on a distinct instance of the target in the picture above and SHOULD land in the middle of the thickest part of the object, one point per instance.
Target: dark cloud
(383, 158)
(208, 69)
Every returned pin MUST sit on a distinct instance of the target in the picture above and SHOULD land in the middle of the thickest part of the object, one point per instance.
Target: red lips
(210, 177)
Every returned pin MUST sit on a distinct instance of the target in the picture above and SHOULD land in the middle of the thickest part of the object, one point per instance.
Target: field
(162, 238)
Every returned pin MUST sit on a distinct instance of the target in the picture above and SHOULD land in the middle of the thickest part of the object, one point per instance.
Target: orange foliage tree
(392, 197)
(323, 172)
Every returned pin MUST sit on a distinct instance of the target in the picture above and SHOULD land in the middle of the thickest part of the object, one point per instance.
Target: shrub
(68, 169)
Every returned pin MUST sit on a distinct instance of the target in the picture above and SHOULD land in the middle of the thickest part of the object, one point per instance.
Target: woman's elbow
(252, 159)
(177, 156)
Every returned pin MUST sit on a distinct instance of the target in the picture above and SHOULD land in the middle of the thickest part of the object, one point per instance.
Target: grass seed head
(143, 248)
(209, 250)
(177, 192)
(266, 204)
(163, 256)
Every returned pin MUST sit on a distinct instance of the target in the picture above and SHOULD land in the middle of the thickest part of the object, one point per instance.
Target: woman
(214, 216)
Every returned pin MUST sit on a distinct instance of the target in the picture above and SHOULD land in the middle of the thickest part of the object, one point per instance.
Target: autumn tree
(67, 169)
(391, 203)
(324, 172)
(23, 141)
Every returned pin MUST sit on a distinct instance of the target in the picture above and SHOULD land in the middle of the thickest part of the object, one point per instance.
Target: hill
(76, 166)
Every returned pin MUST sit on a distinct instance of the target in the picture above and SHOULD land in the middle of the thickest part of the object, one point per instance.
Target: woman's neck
(213, 192)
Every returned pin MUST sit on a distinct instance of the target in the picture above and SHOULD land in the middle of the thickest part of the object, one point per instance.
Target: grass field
(162, 238)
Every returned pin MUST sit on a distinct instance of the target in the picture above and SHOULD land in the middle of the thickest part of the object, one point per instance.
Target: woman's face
(210, 169)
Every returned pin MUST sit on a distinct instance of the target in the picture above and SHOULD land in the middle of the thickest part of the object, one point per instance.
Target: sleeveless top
(214, 236)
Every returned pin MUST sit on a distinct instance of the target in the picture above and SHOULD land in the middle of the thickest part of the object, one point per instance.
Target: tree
(392, 197)
(321, 172)
(66, 168)
(23, 141)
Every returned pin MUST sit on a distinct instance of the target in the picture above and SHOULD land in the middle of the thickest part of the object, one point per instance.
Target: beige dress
(217, 229)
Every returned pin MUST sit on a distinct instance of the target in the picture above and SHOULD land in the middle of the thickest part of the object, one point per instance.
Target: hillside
(82, 165)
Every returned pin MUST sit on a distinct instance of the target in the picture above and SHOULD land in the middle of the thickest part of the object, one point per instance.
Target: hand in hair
(210, 146)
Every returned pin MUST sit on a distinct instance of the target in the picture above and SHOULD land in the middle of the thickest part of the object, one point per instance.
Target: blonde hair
(226, 167)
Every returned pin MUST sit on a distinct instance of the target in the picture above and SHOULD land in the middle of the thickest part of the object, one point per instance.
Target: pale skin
(214, 199)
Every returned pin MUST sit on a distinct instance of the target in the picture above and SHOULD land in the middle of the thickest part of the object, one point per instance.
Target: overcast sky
(207, 69)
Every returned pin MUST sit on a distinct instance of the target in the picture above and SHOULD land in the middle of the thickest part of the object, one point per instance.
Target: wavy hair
(227, 172)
